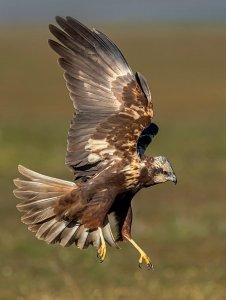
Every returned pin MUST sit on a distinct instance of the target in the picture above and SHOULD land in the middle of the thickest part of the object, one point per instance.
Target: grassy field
(183, 227)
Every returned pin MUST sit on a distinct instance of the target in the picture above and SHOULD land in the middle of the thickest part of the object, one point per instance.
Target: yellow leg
(101, 252)
(143, 255)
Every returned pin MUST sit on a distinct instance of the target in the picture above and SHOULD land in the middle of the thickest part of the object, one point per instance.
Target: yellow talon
(101, 253)
(143, 255)
(102, 250)
(147, 260)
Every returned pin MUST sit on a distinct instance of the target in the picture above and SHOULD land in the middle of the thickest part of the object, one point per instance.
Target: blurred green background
(182, 227)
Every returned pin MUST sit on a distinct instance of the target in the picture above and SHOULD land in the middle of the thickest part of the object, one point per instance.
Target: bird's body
(110, 131)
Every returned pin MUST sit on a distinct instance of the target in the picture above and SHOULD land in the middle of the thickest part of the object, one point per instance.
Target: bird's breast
(131, 172)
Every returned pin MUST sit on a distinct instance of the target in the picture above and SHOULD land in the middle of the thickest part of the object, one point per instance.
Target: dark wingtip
(58, 18)
(52, 28)
(71, 19)
(52, 43)
(75, 23)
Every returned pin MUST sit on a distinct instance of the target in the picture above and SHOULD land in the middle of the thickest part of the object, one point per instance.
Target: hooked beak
(173, 178)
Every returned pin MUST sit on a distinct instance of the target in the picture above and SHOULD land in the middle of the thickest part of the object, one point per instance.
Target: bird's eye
(159, 171)
(165, 173)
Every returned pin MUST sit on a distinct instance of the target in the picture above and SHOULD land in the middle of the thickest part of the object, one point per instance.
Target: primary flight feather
(109, 133)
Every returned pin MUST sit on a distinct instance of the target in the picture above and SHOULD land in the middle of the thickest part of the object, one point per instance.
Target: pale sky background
(39, 11)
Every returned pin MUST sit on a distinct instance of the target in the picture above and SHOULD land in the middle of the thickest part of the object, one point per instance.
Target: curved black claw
(147, 260)
(150, 267)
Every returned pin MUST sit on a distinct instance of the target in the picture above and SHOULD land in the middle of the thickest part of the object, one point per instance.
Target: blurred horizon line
(102, 11)
(125, 23)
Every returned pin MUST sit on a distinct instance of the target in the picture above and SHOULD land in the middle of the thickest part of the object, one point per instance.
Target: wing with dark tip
(146, 137)
(111, 107)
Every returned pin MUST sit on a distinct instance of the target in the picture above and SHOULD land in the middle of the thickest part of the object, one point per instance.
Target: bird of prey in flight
(109, 133)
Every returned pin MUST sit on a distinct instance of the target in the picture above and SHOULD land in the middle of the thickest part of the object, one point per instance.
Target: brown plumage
(109, 133)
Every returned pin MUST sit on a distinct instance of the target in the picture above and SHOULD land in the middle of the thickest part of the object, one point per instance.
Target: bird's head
(162, 170)
(159, 171)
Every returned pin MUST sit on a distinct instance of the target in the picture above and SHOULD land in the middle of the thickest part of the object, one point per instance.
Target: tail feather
(35, 217)
(34, 176)
(108, 235)
(95, 238)
(36, 204)
(34, 227)
(38, 186)
(82, 239)
(67, 235)
(44, 229)
(55, 231)
(40, 194)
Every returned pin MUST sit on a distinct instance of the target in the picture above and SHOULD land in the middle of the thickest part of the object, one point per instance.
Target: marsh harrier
(109, 133)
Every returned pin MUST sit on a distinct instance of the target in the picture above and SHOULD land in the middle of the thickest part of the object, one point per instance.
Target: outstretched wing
(112, 105)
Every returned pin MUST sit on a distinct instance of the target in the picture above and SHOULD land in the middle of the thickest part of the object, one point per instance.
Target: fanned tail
(40, 194)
